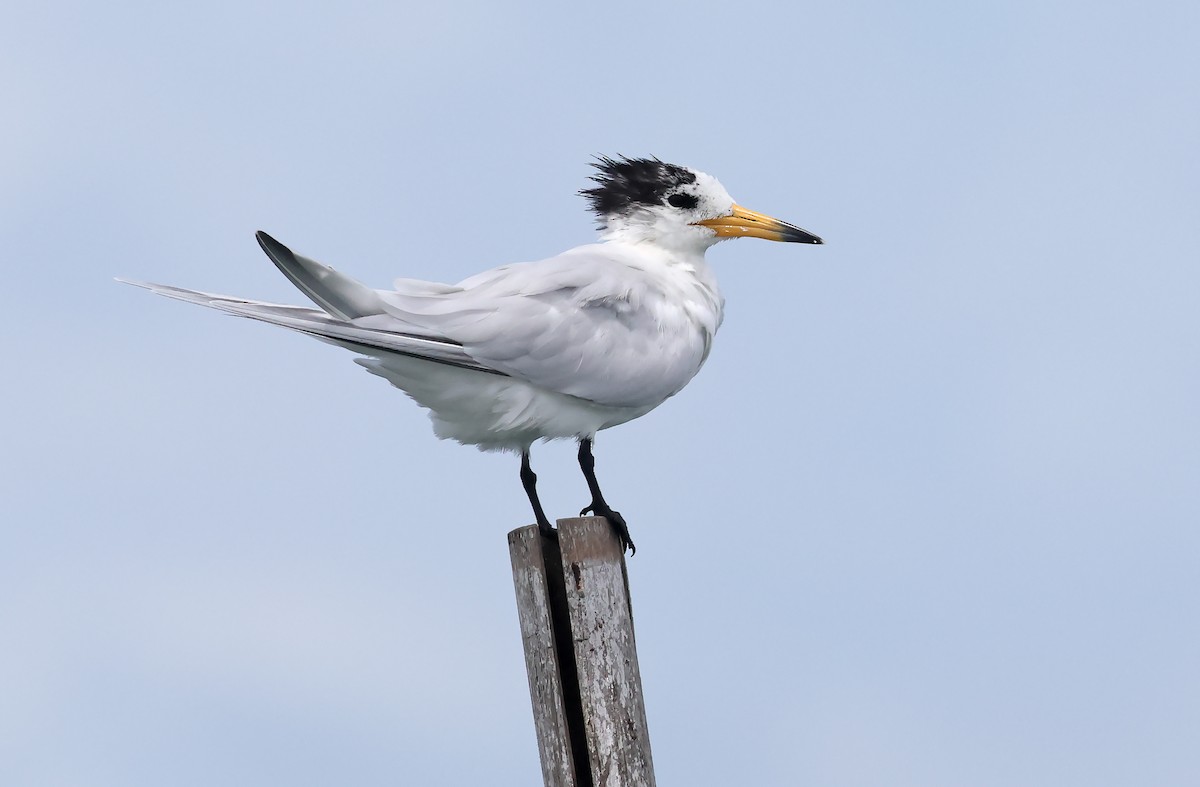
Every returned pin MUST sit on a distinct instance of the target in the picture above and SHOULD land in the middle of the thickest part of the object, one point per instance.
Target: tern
(560, 348)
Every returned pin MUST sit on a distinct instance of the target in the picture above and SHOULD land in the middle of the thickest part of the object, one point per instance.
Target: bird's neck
(685, 241)
(682, 272)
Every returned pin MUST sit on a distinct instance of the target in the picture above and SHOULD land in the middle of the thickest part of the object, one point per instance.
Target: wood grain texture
(610, 683)
(542, 663)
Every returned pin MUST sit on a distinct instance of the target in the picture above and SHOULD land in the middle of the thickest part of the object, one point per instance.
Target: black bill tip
(796, 235)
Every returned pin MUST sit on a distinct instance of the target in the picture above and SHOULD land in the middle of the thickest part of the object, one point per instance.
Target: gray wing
(587, 323)
(584, 323)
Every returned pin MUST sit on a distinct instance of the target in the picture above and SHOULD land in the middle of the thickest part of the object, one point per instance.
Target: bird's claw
(615, 521)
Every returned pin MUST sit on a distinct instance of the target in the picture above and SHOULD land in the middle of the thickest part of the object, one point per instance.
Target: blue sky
(928, 516)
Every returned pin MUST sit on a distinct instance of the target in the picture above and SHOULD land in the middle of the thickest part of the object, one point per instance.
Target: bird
(559, 348)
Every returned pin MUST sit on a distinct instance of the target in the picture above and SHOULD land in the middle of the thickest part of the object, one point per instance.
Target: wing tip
(273, 248)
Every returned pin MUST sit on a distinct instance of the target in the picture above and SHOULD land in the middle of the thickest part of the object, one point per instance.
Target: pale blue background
(929, 516)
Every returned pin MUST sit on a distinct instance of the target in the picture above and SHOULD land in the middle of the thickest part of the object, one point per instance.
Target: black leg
(529, 481)
(599, 507)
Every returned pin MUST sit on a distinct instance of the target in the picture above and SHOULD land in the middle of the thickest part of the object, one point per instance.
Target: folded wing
(583, 323)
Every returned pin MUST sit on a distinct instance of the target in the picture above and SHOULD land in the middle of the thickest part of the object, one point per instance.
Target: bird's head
(647, 200)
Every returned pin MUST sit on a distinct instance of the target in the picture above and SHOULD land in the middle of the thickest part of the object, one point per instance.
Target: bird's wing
(584, 323)
(589, 323)
(336, 293)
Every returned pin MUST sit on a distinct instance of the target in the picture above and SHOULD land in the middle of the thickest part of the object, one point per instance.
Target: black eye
(682, 201)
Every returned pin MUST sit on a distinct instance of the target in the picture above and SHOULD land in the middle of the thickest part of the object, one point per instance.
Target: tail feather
(368, 335)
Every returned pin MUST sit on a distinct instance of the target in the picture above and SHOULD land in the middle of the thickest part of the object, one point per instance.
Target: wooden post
(577, 628)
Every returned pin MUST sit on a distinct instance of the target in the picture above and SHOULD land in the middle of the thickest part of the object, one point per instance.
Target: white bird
(559, 348)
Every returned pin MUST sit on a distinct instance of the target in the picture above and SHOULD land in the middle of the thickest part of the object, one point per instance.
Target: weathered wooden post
(577, 628)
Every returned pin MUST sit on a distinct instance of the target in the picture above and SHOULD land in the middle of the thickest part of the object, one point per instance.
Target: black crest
(626, 182)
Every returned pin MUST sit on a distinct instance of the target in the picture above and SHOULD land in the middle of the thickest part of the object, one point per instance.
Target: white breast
(591, 338)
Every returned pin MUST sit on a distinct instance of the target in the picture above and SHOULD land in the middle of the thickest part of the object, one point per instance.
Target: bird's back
(615, 325)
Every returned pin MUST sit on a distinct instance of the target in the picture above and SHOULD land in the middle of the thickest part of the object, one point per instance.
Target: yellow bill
(745, 223)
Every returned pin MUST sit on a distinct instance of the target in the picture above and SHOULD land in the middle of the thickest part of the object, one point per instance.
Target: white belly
(492, 411)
